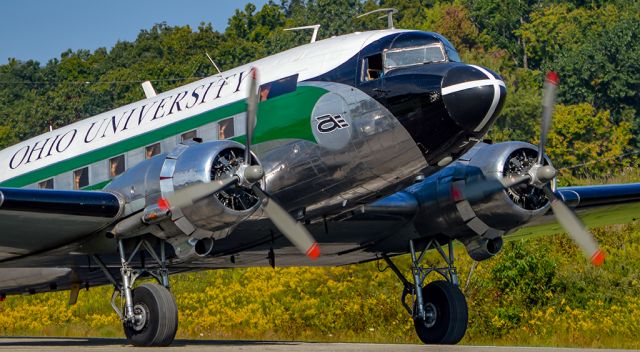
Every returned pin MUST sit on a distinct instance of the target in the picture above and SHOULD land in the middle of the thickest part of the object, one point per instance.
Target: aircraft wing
(590, 196)
(597, 205)
(387, 224)
(35, 220)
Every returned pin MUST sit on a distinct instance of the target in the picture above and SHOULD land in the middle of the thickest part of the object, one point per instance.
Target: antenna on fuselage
(216, 66)
(315, 27)
(390, 12)
(149, 91)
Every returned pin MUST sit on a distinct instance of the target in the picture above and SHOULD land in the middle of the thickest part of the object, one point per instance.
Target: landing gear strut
(148, 312)
(439, 309)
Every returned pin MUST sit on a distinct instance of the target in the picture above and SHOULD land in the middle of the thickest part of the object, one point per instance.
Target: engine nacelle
(480, 224)
(189, 163)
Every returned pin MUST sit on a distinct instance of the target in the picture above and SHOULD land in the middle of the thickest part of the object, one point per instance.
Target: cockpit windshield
(395, 58)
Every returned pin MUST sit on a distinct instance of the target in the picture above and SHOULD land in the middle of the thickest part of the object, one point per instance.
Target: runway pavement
(100, 345)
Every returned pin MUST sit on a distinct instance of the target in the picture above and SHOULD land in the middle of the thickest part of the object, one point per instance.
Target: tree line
(593, 45)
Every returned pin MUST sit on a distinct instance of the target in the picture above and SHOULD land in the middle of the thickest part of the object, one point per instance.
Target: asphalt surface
(89, 344)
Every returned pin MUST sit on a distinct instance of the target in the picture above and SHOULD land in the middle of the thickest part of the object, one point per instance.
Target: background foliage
(537, 292)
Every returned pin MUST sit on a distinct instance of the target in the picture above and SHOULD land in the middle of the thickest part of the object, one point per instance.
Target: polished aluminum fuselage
(370, 156)
(374, 157)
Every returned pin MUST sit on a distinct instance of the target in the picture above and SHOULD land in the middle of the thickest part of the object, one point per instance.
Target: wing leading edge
(597, 205)
(37, 220)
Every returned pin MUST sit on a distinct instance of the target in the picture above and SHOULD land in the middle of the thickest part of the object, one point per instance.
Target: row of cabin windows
(117, 165)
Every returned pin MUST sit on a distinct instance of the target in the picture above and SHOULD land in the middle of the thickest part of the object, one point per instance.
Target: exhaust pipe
(480, 248)
(193, 247)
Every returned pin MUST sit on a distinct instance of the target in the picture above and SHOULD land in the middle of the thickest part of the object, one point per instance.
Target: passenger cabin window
(189, 135)
(116, 166)
(151, 151)
(46, 184)
(372, 67)
(81, 178)
(277, 88)
(225, 129)
(414, 56)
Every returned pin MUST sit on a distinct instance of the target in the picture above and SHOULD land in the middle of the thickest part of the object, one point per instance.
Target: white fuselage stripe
(467, 85)
(496, 97)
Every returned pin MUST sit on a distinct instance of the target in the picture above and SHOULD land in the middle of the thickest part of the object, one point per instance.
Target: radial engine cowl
(165, 175)
(445, 210)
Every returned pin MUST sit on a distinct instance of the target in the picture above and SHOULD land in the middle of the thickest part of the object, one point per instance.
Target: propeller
(290, 228)
(247, 176)
(548, 103)
(576, 229)
(540, 176)
(252, 112)
(293, 230)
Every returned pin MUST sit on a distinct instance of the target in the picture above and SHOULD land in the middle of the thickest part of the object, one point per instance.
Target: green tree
(562, 27)
(7, 136)
(453, 22)
(500, 20)
(582, 134)
(605, 71)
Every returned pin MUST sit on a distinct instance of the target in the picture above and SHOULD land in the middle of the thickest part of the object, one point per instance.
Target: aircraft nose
(473, 96)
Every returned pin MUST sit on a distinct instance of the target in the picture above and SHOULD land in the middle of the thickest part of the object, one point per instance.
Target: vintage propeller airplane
(363, 146)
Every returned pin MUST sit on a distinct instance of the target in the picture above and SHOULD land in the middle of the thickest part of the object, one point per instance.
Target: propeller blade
(576, 229)
(290, 228)
(191, 194)
(548, 102)
(252, 111)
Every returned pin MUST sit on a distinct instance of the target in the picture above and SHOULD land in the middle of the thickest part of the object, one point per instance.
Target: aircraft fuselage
(342, 122)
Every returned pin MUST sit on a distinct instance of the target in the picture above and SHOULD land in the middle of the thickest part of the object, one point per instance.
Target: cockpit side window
(403, 57)
(372, 67)
(452, 54)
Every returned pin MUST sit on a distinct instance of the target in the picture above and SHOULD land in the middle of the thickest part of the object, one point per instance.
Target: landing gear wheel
(156, 317)
(446, 314)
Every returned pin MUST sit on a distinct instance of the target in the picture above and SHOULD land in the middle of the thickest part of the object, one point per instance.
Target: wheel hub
(430, 314)
(141, 312)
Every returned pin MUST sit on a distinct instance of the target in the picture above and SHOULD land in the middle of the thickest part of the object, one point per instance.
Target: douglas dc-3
(355, 148)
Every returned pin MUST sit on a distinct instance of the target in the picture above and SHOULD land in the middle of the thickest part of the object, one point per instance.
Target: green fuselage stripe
(284, 117)
(99, 185)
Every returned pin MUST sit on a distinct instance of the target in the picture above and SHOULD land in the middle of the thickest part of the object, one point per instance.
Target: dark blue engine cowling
(445, 211)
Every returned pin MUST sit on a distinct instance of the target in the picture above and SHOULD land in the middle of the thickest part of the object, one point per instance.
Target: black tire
(451, 314)
(161, 317)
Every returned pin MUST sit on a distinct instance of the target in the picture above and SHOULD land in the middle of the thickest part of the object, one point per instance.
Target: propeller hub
(249, 174)
(541, 175)
(253, 173)
(546, 173)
